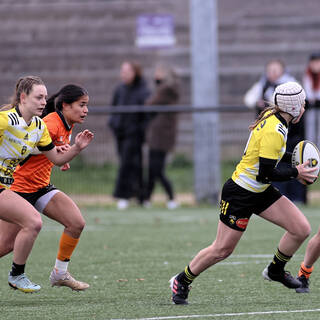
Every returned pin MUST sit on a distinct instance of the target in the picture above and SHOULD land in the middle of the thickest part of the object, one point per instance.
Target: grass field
(128, 258)
(101, 179)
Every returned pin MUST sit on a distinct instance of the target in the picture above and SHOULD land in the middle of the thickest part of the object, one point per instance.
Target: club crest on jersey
(23, 150)
(232, 219)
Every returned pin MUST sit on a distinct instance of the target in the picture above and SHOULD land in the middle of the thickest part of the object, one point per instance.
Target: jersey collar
(20, 115)
(60, 114)
(282, 119)
(18, 111)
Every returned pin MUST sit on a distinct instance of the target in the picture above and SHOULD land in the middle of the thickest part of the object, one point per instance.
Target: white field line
(217, 315)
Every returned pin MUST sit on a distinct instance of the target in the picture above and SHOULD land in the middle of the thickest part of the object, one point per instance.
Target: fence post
(204, 59)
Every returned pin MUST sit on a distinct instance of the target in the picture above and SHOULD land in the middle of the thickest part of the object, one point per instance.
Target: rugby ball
(306, 151)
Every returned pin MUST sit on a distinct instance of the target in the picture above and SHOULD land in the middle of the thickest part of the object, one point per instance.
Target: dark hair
(314, 56)
(24, 84)
(68, 94)
(137, 69)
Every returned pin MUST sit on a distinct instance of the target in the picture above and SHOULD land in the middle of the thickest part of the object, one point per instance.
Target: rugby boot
(66, 280)
(304, 285)
(180, 291)
(22, 283)
(283, 277)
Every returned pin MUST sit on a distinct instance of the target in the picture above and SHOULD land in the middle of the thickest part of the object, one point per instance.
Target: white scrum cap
(289, 97)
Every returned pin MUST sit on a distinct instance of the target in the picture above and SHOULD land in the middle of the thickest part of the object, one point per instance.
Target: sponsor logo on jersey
(14, 140)
(242, 223)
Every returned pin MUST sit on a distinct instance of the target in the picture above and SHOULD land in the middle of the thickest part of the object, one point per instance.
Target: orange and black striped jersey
(17, 140)
(34, 173)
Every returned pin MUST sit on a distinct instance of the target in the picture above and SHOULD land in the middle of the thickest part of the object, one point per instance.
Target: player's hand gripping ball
(306, 151)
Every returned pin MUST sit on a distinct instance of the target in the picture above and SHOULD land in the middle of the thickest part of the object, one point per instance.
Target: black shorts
(34, 196)
(238, 204)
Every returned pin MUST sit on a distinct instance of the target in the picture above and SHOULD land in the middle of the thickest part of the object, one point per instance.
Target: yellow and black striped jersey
(267, 140)
(18, 140)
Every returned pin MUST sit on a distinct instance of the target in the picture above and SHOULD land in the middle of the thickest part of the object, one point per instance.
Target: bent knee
(221, 253)
(35, 224)
(303, 231)
(76, 227)
(79, 226)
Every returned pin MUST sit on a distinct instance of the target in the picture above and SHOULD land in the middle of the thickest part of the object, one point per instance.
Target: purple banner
(155, 30)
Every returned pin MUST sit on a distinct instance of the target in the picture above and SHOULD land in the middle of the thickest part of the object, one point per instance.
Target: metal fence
(233, 130)
(232, 135)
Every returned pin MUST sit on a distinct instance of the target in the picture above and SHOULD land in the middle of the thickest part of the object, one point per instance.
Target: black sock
(17, 269)
(186, 276)
(278, 262)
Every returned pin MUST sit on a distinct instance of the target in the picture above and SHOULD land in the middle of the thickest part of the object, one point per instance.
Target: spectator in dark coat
(161, 132)
(129, 130)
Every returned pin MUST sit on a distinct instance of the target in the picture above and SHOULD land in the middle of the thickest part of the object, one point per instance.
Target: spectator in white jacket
(261, 92)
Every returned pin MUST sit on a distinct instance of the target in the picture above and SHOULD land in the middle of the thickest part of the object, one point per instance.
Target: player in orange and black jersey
(21, 131)
(32, 180)
(250, 191)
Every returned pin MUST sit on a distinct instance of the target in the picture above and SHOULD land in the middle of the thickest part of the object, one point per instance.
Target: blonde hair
(6, 107)
(263, 116)
(24, 84)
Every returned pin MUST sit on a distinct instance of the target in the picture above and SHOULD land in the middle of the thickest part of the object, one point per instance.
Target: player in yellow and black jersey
(63, 110)
(250, 191)
(21, 131)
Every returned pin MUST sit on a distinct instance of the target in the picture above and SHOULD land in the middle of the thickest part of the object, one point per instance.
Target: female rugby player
(249, 191)
(22, 130)
(32, 181)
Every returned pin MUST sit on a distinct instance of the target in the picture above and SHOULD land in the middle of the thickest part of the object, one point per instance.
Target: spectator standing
(258, 97)
(311, 82)
(129, 132)
(161, 132)
(261, 92)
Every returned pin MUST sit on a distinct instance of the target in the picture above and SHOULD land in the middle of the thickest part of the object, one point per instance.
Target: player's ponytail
(67, 94)
(264, 114)
(50, 106)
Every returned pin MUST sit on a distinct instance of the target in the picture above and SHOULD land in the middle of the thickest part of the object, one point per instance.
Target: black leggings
(156, 172)
(129, 178)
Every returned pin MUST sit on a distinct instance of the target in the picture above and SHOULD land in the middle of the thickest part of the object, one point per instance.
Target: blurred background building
(85, 42)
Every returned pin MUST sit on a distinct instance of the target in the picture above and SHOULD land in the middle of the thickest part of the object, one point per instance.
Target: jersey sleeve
(45, 143)
(271, 145)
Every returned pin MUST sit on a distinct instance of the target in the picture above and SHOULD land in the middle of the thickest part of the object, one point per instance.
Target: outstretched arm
(82, 140)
